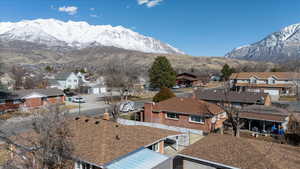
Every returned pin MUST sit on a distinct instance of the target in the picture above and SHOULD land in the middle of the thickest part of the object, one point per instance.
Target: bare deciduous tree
(18, 76)
(233, 112)
(47, 146)
(120, 74)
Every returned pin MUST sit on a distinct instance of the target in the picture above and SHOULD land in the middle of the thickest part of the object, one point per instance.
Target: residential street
(92, 107)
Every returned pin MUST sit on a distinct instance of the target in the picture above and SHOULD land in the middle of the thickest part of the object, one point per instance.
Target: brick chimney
(148, 108)
(106, 115)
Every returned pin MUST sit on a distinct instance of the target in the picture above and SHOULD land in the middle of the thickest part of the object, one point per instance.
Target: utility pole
(79, 100)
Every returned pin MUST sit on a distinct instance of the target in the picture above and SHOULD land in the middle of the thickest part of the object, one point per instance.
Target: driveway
(91, 105)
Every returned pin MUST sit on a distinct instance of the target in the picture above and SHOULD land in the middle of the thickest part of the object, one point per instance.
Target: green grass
(4, 155)
(128, 116)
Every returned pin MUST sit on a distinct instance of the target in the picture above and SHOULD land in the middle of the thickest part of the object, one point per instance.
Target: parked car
(127, 106)
(176, 87)
(182, 86)
(78, 100)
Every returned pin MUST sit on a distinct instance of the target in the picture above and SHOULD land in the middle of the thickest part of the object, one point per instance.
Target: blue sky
(198, 27)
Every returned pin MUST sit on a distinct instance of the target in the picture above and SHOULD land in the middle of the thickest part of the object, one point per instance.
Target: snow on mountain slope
(53, 32)
(278, 46)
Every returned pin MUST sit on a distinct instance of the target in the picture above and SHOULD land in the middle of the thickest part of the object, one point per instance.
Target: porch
(260, 126)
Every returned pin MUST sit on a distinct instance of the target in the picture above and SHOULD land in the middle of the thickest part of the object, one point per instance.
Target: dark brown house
(186, 79)
(236, 99)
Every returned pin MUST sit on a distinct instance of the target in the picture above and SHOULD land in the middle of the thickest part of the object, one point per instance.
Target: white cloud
(149, 3)
(92, 9)
(71, 10)
(94, 16)
(141, 2)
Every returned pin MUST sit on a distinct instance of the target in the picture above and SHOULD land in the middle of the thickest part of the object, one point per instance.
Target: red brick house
(27, 99)
(185, 112)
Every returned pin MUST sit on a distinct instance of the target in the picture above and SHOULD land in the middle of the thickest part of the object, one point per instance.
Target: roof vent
(86, 120)
(77, 118)
(117, 125)
(117, 137)
(97, 122)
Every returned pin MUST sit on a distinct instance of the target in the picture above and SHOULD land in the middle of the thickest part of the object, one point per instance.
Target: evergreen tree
(48, 69)
(226, 72)
(161, 73)
(163, 94)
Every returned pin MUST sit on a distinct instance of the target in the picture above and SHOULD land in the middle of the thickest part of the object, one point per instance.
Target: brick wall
(33, 102)
(37, 102)
(9, 105)
(183, 121)
(55, 100)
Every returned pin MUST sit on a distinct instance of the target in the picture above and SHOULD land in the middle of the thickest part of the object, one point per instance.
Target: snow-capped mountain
(79, 35)
(279, 46)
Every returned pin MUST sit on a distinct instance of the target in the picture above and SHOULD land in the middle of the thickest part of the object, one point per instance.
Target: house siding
(33, 102)
(9, 106)
(183, 121)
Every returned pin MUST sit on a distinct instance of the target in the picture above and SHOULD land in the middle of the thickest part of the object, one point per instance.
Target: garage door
(274, 94)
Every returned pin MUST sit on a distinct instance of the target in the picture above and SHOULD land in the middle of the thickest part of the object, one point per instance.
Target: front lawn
(4, 155)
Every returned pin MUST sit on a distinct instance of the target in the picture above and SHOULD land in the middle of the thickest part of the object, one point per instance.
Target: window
(253, 80)
(273, 81)
(154, 147)
(197, 119)
(2, 101)
(172, 116)
(86, 166)
(17, 101)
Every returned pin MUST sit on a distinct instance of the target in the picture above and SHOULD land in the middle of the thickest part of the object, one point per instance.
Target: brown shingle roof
(187, 106)
(231, 96)
(106, 141)
(245, 153)
(265, 75)
(262, 112)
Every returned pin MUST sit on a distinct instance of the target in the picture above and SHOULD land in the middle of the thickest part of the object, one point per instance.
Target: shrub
(163, 94)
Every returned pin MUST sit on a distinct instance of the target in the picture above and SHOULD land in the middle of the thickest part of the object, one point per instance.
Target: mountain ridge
(79, 35)
(279, 46)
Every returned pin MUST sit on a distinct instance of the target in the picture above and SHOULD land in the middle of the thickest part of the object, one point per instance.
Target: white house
(82, 77)
(66, 80)
(98, 87)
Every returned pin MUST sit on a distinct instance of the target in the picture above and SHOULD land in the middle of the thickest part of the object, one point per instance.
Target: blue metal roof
(141, 158)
